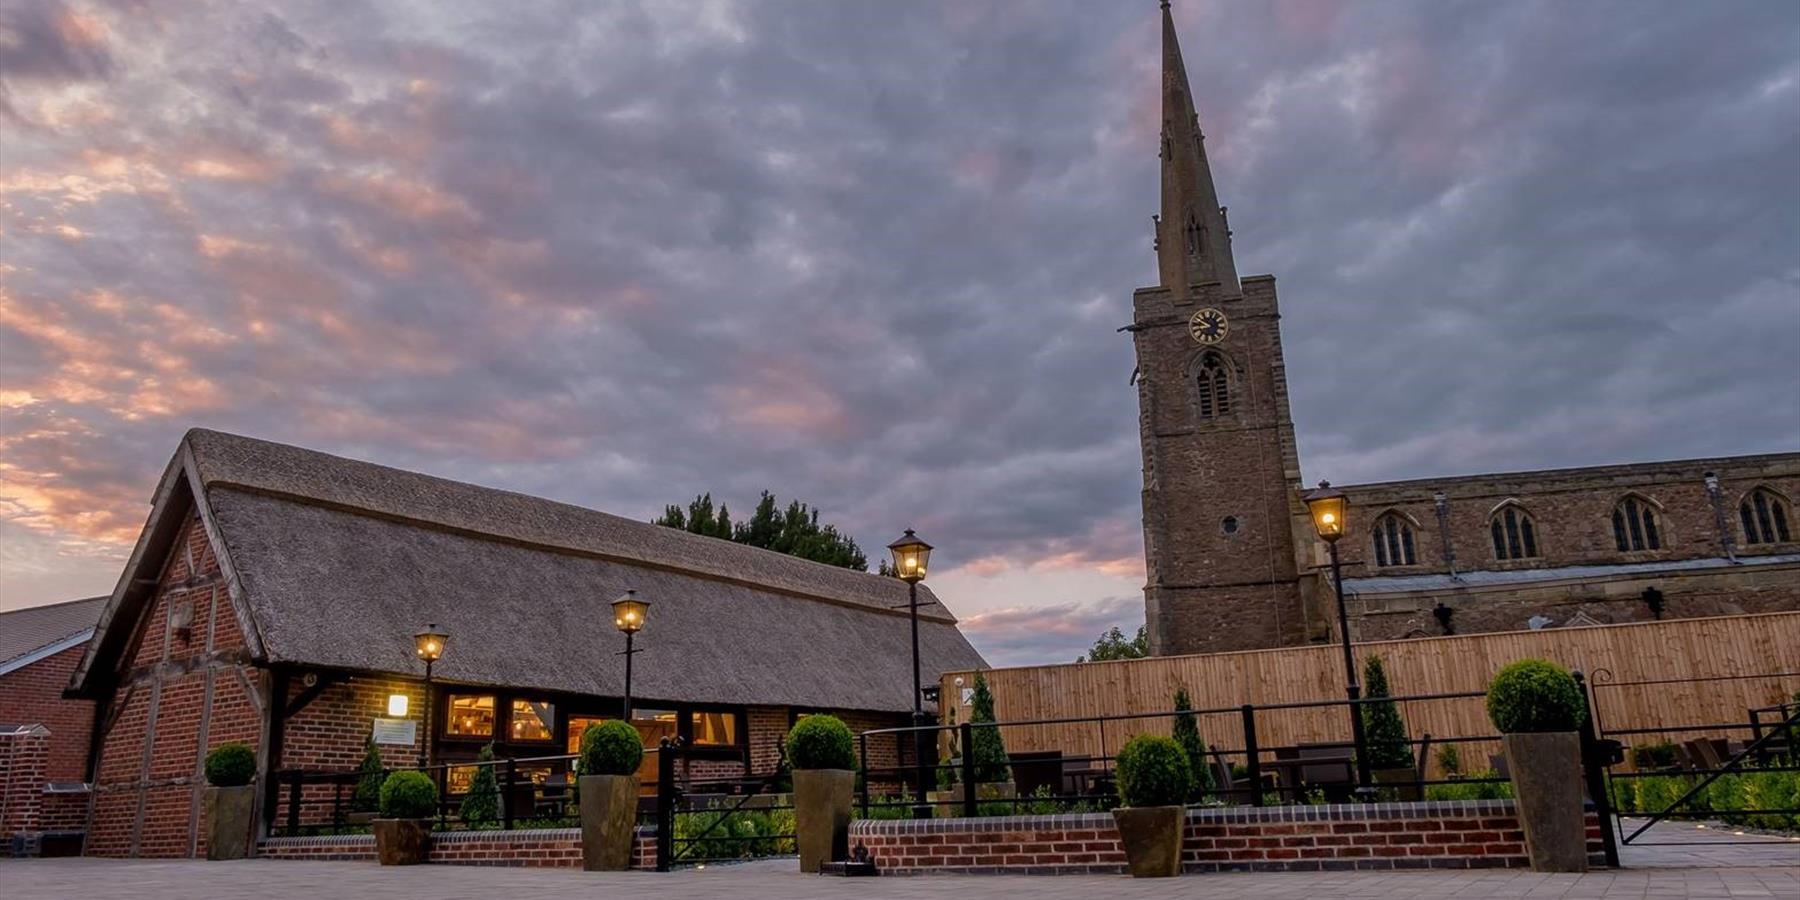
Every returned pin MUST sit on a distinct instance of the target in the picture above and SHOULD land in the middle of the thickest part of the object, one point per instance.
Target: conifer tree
(370, 775)
(1383, 729)
(988, 750)
(481, 805)
(1187, 734)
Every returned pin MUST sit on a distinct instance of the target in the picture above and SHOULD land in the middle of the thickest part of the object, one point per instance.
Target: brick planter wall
(1447, 835)
(536, 847)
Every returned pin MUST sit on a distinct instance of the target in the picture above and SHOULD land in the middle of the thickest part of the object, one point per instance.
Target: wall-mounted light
(397, 705)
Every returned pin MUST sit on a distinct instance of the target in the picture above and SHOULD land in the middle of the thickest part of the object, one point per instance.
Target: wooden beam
(307, 696)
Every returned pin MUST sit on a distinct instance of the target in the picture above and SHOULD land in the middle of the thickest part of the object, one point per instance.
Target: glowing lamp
(629, 612)
(397, 705)
(1329, 508)
(430, 643)
(911, 556)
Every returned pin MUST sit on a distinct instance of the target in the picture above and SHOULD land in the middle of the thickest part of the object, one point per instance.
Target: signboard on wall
(395, 731)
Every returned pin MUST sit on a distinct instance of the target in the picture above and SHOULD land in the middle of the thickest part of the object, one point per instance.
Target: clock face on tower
(1208, 326)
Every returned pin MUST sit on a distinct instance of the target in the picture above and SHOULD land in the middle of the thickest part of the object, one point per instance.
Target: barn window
(1393, 536)
(1765, 518)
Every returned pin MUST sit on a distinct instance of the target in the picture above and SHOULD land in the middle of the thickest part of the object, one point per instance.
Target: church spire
(1193, 243)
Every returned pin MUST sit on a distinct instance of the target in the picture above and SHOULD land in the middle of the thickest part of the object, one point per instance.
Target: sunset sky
(872, 254)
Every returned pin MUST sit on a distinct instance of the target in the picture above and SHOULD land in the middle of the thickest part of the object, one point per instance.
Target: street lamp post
(629, 614)
(911, 555)
(429, 642)
(1329, 508)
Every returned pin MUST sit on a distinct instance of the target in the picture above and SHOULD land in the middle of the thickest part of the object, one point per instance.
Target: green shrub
(1472, 790)
(1154, 771)
(1389, 745)
(481, 805)
(408, 795)
(611, 747)
(1187, 734)
(370, 775)
(821, 742)
(987, 747)
(1649, 757)
(1449, 760)
(1534, 695)
(230, 765)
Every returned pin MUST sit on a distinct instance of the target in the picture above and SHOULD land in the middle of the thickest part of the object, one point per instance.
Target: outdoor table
(1290, 771)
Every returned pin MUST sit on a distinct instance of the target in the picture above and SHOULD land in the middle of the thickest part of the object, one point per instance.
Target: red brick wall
(177, 699)
(32, 695)
(546, 847)
(1462, 834)
(24, 756)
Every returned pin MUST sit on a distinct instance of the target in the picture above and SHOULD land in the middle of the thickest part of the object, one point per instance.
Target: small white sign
(395, 731)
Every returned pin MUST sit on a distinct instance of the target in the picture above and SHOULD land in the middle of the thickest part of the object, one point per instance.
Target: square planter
(1547, 787)
(823, 801)
(230, 821)
(1151, 837)
(609, 805)
(402, 842)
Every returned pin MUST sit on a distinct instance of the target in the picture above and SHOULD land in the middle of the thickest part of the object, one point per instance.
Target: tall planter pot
(1547, 786)
(402, 842)
(823, 800)
(1151, 837)
(609, 806)
(230, 821)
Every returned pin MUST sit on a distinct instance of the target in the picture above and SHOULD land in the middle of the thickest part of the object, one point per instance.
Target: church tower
(1221, 472)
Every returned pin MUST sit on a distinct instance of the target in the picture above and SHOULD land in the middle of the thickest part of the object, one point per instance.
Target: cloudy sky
(872, 254)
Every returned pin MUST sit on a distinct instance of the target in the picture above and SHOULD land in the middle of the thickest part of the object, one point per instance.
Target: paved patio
(1669, 867)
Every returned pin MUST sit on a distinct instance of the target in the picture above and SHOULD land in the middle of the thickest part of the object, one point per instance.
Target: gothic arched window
(1515, 537)
(1212, 383)
(1765, 518)
(1635, 525)
(1393, 536)
(1196, 235)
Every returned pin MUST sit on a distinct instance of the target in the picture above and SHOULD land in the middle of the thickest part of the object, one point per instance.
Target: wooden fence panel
(1749, 661)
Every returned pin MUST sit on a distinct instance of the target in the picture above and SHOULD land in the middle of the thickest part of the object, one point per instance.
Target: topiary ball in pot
(821, 742)
(230, 765)
(1534, 695)
(408, 795)
(1154, 771)
(611, 748)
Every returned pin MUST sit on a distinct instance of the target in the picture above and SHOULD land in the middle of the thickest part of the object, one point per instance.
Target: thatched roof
(336, 562)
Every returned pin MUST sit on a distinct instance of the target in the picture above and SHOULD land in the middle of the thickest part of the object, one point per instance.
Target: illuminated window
(1765, 518)
(533, 721)
(470, 716)
(459, 779)
(655, 724)
(577, 726)
(715, 729)
(1393, 537)
(1515, 537)
(1635, 525)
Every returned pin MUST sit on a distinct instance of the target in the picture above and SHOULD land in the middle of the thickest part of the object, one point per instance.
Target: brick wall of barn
(32, 695)
(187, 688)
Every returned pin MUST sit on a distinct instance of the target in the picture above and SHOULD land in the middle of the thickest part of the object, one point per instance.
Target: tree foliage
(1115, 645)
(370, 774)
(987, 748)
(1389, 745)
(1187, 734)
(481, 805)
(793, 529)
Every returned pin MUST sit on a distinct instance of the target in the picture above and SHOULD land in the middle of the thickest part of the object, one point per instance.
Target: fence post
(506, 799)
(665, 804)
(293, 804)
(966, 736)
(1252, 757)
(1591, 753)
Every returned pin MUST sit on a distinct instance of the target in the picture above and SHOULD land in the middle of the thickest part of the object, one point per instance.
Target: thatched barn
(274, 594)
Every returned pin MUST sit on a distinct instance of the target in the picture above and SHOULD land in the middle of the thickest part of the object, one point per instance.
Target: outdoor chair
(1037, 769)
(1335, 774)
(552, 794)
(1422, 764)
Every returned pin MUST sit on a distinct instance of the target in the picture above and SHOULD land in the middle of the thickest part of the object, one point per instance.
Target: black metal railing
(705, 820)
(1247, 768)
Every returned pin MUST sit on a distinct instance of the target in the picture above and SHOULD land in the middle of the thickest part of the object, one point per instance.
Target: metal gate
(710, 820)
(1733, 781)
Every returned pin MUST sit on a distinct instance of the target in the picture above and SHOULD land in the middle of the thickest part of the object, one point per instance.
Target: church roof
(1399, 584)
(334, 563)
